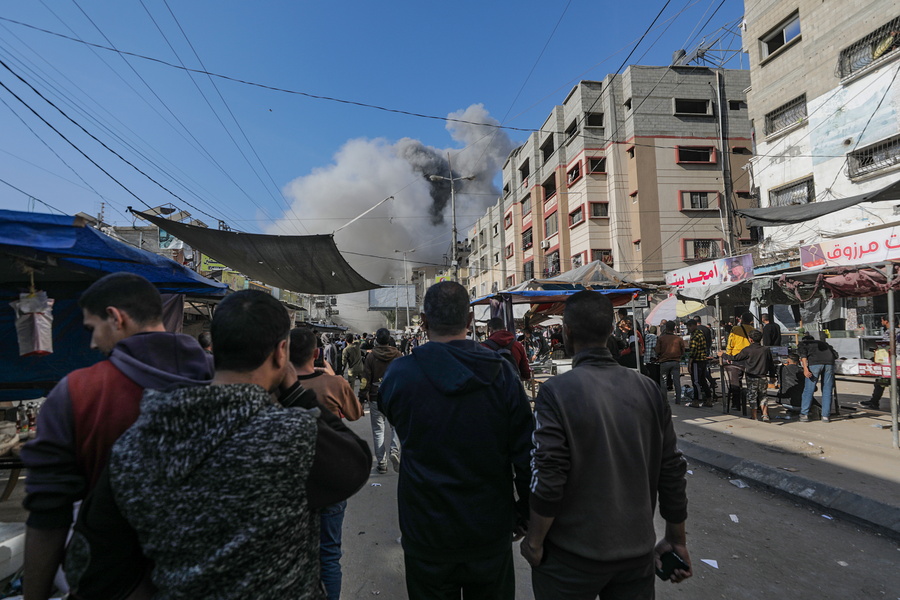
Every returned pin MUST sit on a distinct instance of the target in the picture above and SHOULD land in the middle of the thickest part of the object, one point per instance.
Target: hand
(533, 555)
(519, 531)
(808, 374)
(664, 545)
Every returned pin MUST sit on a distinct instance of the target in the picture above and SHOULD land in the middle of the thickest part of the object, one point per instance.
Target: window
(496, 258)
(787, 31)
(634, 196)
(510, 281)
(880, 43)
(547, 148)
(549, 187)
(551, 225)
(576, 216)
(637, 245)
(689, 106)
(695, 154)
(594, 120)
(528, 270)
(792, 113)
(801, 192)
(526, 239)
(603, 255)
(883, 155)
(524, 172)
(630, 151)
(599, 210)
(552, 264)
(573, 174)
(509, 250)
(702, 249)
(506, 189)
(482, 262)
(482, 242)
(699, 200)
(496, 229)
(627, 104)
(736, 104)
(526, 206)
(507, 221)
(597, 165)
(577, 260)
(740, 150)
(572, 130)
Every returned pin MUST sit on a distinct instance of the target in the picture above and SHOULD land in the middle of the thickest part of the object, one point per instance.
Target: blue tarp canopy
(65, 256)
(62, 248)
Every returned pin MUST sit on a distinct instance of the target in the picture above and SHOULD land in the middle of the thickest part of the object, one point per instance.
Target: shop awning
(772, 216)
(308, 264)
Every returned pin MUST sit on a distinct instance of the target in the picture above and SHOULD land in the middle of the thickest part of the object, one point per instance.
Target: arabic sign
(866, 248)
(715, 272)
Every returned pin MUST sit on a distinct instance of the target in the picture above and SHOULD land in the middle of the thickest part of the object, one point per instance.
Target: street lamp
(406, 280)
(454, 261)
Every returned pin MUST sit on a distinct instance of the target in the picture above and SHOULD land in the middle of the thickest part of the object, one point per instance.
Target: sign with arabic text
(714, 272)
(862, 249)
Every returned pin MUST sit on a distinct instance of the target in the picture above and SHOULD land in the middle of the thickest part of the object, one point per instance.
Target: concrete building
(825, 109)
(630, 170)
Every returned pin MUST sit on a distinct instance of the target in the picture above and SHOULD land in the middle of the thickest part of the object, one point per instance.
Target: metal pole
(406, 285)
(889, 275)
(722, 384)
(637, 345)
(454, 252)
(396, 307)
(725, 207)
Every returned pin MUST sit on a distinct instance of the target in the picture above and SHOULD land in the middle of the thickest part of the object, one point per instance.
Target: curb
(848, 504)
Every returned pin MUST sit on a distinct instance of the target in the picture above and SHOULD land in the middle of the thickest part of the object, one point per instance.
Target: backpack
(505, 352)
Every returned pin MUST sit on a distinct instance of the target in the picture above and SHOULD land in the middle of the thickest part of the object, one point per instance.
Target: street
(777, 547)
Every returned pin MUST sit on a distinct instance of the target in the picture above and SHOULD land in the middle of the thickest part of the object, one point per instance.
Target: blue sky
(420, 57)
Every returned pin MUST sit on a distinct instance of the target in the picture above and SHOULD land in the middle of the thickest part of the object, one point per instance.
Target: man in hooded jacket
(465, 425)
(374, 368)
(501, 339)
(91, 407)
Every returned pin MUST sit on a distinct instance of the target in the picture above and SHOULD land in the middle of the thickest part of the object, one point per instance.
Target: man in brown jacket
(669, 350)
(374, 368)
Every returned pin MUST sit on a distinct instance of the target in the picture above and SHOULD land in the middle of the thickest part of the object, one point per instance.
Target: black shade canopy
(308, 264)
(771, 216)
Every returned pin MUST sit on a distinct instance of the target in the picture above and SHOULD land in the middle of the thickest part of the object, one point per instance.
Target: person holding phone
(599, 467)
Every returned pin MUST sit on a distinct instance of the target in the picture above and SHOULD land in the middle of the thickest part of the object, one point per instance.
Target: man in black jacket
(465, 427)
(599, 465)
(758, 364)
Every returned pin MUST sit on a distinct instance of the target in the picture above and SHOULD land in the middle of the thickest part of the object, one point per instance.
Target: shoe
(766, 418)
(804, 418)
(395, 462)
(826, 420)
(382, 468)
(870, 404)
(677, 401)
(707, 404)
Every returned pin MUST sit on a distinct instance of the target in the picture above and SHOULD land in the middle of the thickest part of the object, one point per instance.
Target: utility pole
(725, 162)
(454, 249)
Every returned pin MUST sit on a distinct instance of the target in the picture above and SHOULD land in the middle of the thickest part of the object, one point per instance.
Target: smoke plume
(365, 171)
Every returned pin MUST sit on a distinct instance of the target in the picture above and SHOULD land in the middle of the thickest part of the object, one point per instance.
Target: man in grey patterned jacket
(221, 483)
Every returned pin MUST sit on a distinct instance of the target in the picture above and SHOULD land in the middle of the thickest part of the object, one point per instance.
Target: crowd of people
(175, 470)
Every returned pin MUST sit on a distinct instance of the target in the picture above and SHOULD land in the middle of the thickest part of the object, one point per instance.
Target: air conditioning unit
(545, 245)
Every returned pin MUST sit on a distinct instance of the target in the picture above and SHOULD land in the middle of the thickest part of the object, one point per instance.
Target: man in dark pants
(600, 464)
(465, 427)
(708, 335)
(698, 356)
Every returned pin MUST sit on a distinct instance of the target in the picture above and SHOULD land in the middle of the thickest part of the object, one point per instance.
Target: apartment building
(630, 170)
(825, 109)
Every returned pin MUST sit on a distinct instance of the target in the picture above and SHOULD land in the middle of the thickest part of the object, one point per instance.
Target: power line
(261, 85)
(35, 198)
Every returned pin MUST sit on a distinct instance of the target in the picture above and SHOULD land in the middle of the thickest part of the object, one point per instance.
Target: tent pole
(889, 275)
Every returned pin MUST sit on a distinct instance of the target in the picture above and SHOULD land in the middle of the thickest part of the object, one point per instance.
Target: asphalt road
(776, 549)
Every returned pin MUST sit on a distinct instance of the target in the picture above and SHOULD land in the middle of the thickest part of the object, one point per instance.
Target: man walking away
(374, 368)
(501, 339)
(600, 464)
(669, 350)
(817, 359)
(465, 426)
(353, 362)
(757, 363)
(90, 408)
(698, 358)
(771, 331)
(222, 484)
(334, 393)
(708, 334)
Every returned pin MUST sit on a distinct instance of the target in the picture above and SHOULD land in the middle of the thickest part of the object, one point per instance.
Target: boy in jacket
(757, 364)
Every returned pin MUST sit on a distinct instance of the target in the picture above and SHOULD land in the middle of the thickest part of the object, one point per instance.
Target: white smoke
(365, 171)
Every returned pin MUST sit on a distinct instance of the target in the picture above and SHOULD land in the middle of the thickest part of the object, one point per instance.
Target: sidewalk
(847, 467)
